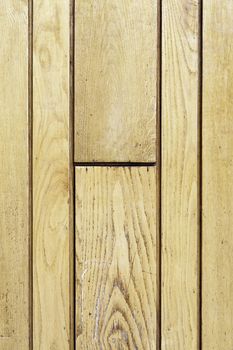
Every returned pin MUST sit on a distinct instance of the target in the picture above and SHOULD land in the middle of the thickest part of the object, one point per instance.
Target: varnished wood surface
(14, 179)
(115, 80)
(116, 258)
(180, 244)
(51, 301)
(217, 168)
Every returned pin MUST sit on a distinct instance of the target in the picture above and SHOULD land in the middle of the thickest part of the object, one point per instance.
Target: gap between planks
(114, 164)
(159, 173)
(199, 169)
(30, 168)
(72, 182)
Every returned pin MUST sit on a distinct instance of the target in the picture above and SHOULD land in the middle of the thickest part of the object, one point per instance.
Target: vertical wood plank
(179, 174)
(51, 176)
(115, 80)
(116, 258)
(217, 277)
(14, 179)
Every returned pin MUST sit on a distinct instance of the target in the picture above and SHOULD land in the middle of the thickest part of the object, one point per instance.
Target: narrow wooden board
(217, 168)
(116, 258)
(51, 175)
(115, 80)
(179, 175)
(14, 179)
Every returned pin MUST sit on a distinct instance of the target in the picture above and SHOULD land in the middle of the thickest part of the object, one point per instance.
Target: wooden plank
(217, 278)
(115, 80)
(14, 170)
(51, 178)
(116, 258)
(179, 175)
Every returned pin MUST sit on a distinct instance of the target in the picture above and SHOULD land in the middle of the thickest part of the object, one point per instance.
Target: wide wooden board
(115, 80)
(217, 169)
(51, 301)
(14, 177)
(180, 231)
(116, 258)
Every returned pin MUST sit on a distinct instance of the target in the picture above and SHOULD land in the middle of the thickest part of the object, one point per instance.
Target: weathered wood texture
(217, 168)
(14, 170)
(115, 80)
(116, 258)
(51, 175)
(179, 175)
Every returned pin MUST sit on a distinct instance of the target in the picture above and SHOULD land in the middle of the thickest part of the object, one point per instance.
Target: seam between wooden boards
(199, 162)
(30, 170)
(72, 180)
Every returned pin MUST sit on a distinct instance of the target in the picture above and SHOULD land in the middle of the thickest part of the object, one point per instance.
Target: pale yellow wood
(116, 258)
(217, 168)
(115, 80)
(14, 170)
(179, 175)
(51, 175)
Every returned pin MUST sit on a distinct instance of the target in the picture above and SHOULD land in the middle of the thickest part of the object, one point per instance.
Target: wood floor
(116, 143)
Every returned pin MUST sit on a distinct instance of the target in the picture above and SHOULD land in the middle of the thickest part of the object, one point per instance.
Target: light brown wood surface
(115, 80)
(14, 170)
(179, 175)
(217, 169)
(129, 271)
(51, 300)
(116, 258)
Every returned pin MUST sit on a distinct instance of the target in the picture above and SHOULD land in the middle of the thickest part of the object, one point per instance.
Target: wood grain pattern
(115, 80)
(116, 252)
(179, 175)
(14, 165)
(217, 168)
(14, 169)
(51, 175)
